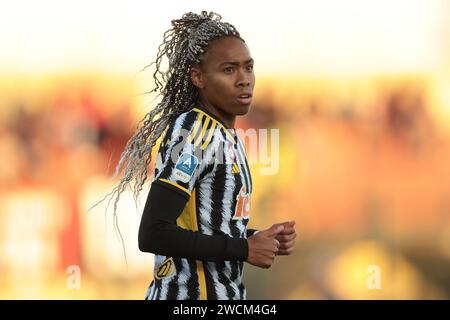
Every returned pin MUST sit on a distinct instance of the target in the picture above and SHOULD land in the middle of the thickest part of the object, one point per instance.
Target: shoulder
(185, 120)
(196, 127)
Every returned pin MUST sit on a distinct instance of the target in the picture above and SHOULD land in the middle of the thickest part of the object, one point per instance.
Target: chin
(242, 110)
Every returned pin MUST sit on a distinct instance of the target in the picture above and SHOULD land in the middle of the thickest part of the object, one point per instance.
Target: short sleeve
(183, 156)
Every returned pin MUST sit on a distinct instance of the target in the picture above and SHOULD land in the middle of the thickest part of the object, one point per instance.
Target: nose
(244, 83)
(243, 80)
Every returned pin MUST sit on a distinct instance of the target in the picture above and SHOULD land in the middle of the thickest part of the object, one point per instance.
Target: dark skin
(226, 72)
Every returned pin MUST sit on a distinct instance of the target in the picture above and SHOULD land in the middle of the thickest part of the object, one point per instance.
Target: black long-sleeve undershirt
(159, 233)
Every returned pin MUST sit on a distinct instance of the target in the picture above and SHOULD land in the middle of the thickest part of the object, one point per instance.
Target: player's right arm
(177, 172)
(160, 234)
(179, 168)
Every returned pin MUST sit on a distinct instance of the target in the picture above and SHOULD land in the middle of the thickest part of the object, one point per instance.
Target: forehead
(226, 49)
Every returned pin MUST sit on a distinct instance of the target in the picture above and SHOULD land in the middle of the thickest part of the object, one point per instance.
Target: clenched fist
(286, 238)
(263, 246)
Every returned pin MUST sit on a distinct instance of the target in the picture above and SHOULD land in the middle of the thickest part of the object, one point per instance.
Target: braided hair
(184, 45)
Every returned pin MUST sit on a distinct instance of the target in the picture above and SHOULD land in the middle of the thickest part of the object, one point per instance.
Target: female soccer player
(196, 214)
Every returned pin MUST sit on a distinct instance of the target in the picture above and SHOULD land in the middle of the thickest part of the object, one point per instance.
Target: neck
(228, 119)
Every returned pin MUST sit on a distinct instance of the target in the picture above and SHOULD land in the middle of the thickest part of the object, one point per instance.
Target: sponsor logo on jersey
(166, 269)
(242, 210)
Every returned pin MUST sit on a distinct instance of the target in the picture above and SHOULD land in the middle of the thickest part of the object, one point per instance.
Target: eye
(250, 67)
(228, 70)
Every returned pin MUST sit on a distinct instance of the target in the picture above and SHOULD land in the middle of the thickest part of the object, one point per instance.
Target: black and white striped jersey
(207, 162)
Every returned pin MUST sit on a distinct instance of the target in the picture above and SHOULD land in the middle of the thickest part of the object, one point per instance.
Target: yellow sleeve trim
(175, 185)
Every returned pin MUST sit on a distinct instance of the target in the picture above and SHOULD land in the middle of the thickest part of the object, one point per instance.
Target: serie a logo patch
(166, 269)
(185, 167)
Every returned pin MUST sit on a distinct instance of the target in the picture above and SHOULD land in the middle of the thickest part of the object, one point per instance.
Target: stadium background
(360, 91)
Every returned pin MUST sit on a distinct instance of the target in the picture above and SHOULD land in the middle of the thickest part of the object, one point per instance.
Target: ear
(197, 77)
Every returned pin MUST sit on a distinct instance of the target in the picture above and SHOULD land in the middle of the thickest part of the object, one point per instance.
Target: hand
(286, 238)
(263, 246)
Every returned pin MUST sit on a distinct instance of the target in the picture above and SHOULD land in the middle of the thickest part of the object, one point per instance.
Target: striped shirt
(207, 162)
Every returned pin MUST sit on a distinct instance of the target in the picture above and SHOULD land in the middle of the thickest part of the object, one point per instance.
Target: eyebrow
(235, 63)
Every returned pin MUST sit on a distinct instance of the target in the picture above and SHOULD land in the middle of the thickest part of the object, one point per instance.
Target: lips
(245, 98)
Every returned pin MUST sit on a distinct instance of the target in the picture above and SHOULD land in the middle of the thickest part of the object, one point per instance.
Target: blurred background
(360, 91)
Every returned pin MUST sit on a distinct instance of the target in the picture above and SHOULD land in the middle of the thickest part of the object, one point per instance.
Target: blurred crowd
(363, 172)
